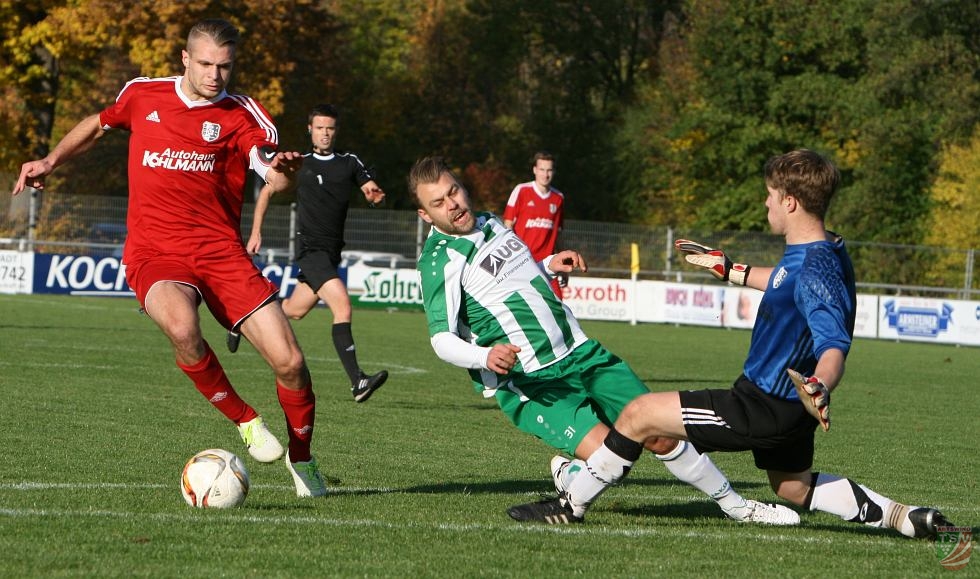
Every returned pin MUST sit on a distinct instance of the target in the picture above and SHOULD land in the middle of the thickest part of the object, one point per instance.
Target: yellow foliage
(955, 206)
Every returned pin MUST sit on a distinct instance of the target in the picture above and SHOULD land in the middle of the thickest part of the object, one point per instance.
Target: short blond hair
(220, 31)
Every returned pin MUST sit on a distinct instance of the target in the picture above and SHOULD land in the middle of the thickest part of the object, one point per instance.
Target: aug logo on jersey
(493, 264)
(210, 131)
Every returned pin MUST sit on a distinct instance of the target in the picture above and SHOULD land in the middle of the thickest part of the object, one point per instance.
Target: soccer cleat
(307, 477)
(366, 386)
(925, 522)
(261, 443)
(764, 514)
(551, 511)
(558, 465)
(232, 340)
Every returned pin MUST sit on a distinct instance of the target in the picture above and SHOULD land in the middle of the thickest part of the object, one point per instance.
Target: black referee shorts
(778, 432)
(317, 267)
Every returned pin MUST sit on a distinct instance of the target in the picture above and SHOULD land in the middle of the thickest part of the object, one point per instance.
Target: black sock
(343, 341)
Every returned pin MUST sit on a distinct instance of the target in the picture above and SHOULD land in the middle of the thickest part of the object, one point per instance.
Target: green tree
(875, 85)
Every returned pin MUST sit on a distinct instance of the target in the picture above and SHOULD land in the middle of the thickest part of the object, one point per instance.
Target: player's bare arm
(830, 368)
(758, 278)
(261, 206)
(77, 141)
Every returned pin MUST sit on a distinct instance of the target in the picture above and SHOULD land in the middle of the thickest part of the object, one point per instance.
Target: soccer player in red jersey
(535, 210)
(190, 149)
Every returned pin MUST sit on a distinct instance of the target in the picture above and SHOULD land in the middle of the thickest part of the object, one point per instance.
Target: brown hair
(542, 156)
(808, 176)
(426, 170)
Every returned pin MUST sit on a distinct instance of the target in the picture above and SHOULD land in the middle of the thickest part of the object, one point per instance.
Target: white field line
(395, 369)
(238, 516)
(634, 493)
(233, 517)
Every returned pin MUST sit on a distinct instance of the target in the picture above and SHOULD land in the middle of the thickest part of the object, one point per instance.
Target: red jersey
(537, 218)
(188, 161)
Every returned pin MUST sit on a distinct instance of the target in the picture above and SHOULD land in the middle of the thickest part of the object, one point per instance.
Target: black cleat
(550, 511)
(366, 386)
(925, 522)
(232, 340)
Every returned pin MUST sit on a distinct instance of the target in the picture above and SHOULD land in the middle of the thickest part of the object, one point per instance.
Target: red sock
(299, 407)
(210, 380)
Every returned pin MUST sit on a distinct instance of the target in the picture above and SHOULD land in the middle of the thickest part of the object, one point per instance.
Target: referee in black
(324, 187)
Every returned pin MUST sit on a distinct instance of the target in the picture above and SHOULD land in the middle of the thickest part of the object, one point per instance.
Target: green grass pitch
(96, 422)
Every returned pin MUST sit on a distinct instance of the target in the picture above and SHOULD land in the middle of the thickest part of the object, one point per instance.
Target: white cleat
(764, 514)
(306, 475)
(262, 445)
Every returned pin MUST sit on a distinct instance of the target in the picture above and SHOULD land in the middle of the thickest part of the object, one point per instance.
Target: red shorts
(224, 276)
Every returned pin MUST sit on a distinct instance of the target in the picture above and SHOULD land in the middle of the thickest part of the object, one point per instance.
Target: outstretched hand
(568, 261)
(32, 174)
(375, 195)
(287, 162)
(714, 260)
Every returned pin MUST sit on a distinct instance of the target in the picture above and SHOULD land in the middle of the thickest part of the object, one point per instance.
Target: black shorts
(317, 267)
(778, 432)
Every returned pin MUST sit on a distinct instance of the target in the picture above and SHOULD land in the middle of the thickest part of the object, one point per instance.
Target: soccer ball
(215, 479)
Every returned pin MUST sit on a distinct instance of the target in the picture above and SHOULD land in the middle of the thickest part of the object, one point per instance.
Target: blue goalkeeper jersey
(808, 307)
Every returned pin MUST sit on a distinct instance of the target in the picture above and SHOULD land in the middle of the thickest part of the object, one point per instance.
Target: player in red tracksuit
(535, 210)
(190, 149)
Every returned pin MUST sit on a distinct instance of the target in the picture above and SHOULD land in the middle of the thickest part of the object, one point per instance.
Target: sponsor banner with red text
(621, 300)
(593, 298)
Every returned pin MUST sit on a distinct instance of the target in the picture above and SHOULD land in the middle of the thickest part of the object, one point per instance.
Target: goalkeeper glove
(814, 395)
(715, 261)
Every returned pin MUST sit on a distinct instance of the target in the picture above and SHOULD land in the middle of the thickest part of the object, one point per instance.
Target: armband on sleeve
(260, 158)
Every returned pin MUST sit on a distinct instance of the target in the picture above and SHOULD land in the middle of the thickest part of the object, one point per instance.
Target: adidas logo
(153, 117)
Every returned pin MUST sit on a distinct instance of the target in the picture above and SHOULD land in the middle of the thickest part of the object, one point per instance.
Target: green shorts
(561, 403)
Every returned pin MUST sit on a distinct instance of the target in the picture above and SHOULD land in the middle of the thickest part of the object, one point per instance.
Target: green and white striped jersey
(487, 289)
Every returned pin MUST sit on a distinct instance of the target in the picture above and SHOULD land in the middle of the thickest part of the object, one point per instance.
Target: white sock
(697, 470)
(853, 502)
(571, 470)
(602, 470)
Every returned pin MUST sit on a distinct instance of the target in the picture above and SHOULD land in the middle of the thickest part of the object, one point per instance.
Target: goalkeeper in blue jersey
(800, 340)
(490, 309)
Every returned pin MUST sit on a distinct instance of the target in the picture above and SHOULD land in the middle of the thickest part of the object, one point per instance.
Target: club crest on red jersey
(210, 131)
(553, 208)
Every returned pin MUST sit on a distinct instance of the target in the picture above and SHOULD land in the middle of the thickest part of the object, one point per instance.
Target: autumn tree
(74, 57)
(952, 221)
